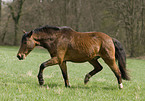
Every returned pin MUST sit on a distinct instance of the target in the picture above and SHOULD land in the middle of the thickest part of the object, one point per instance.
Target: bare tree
(0, 14)
(130, 14)
(16, 10)
(5, 30)
(76, 12)
(143, 19)
(0, 11)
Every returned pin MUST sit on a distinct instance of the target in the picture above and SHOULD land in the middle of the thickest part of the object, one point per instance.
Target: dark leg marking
(50, 62)
(63, 68)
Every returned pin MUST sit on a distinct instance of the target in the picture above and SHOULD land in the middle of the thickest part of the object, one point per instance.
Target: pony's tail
(121, 57)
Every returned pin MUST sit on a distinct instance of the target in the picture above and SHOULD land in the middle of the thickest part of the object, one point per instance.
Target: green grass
(18, 80)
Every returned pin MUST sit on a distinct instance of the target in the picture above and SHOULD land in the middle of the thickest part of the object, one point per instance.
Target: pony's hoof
(87, 77)
(41, 82)
(40, 79)
(86, 81)
(68, 86)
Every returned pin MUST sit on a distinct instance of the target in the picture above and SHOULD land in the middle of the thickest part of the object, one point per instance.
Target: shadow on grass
(103, 87)
(79, 87)
(110, 88)
(52, 85)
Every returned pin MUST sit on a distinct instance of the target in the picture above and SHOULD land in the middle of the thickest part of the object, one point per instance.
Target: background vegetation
(122, 19)
(18, 80)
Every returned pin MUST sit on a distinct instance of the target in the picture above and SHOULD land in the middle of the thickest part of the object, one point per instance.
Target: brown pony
(64, 44)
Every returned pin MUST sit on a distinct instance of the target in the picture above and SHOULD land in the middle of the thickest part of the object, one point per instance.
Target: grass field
(18, 80)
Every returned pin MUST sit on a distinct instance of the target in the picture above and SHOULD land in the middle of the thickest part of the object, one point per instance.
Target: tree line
(121, 19)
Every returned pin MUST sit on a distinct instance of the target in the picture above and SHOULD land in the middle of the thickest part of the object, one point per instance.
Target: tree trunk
(5, 30)
(77, 13)
(65, 13)
(16, 17)
(0, 11)
(16, 34)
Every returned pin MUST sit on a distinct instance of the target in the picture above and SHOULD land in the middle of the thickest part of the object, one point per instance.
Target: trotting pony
(64, 44)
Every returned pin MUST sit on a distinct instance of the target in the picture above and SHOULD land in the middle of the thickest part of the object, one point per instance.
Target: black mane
(46, 28)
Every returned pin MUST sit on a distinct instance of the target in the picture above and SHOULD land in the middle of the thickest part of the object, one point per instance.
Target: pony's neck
(46, 35)
(47, 41)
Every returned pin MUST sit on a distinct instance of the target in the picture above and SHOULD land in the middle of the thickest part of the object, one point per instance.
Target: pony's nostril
(19, 57)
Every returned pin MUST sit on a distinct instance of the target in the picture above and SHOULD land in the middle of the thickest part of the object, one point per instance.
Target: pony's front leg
(50, 62)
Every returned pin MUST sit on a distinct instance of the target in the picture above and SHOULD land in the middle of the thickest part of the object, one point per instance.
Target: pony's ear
(30, 34)
(24, 32)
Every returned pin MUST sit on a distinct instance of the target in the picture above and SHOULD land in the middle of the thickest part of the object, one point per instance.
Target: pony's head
(27, 45)
(32, 39)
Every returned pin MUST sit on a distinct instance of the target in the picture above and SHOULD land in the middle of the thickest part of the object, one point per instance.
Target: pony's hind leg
(97, 68)
(112, 64)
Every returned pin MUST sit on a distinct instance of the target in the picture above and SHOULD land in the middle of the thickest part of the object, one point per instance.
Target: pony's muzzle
(21, 57)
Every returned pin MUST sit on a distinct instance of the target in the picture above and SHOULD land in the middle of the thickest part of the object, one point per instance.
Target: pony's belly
(78, 57)
(77, 60)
